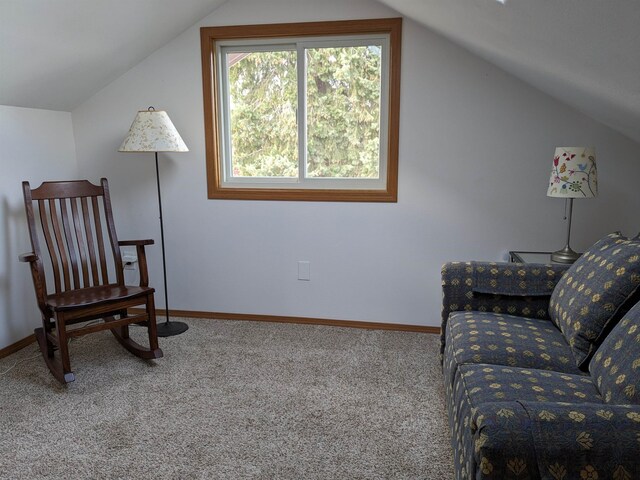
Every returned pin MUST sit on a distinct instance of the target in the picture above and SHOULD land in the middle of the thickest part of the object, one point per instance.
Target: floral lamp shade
(574, 173)
(152, 131)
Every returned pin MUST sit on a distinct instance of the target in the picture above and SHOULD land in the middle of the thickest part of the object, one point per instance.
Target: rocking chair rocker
(76, 221)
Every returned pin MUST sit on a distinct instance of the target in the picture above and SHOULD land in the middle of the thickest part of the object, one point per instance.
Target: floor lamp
(573, 175)
(153, 131)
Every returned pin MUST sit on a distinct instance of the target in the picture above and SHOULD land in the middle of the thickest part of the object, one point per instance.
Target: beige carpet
(231, 400)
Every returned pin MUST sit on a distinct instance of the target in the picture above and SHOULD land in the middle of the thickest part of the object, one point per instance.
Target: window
(305, 111)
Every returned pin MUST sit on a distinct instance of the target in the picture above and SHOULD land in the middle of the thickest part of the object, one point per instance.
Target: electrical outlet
(130, 262)
(304, 270)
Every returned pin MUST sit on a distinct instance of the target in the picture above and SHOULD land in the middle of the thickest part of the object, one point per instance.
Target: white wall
(35, 145)
(475, 153)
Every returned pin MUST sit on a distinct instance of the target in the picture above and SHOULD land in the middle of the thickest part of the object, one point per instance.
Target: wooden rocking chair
(76, 221)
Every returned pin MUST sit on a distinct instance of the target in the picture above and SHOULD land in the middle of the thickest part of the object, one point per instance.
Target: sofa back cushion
(615, 367)
(595, 292)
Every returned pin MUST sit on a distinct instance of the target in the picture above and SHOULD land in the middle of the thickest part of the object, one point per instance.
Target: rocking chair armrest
(28, 257)
(130, 243)
(38, 277)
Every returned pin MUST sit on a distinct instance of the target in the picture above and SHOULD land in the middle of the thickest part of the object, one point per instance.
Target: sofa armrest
(556, 440)
(510, 288)
(516, 279)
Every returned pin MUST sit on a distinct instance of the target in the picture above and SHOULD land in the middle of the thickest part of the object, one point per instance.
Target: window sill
(292, 194)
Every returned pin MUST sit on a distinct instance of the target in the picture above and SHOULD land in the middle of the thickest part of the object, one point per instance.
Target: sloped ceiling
(56, 54)
(586, 53)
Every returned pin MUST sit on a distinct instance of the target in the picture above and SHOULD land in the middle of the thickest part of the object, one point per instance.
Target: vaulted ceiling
(55, 54)
(586, 53)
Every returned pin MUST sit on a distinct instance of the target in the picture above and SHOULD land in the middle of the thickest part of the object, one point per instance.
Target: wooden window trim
(210, 35)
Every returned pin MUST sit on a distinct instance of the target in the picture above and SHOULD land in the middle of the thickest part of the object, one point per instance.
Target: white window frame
(300, 45)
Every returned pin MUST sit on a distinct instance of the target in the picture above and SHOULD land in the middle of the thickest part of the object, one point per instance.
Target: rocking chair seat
(94, 296)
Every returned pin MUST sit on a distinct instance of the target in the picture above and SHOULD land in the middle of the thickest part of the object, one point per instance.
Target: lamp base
(566, 255)
(169, 329)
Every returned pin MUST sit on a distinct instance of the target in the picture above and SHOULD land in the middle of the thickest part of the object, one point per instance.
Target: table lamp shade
(573, 173)
(152, 131)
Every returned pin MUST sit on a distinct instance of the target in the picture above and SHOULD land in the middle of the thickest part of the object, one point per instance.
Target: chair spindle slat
(70, 246)
(103, 259)
(55, 222)
(42, 210)
(91, 247)
(82, 249)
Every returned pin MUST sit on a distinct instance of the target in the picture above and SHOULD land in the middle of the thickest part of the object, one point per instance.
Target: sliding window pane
(262, 103)
(343, 111)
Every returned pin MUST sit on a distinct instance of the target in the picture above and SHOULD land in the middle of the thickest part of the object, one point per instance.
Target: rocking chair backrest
(75, 220)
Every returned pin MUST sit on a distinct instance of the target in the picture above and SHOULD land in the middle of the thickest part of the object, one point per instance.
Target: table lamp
(573, 175)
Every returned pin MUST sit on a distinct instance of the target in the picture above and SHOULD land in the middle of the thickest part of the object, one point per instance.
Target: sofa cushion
(594, 292)
(556, 441)
(479, 385)
(497, 339)
(493, 383)
(616, 365)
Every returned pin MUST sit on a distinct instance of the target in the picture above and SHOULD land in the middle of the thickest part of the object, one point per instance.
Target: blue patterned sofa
(541, 366)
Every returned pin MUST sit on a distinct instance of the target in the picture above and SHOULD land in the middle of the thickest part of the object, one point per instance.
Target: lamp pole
(566, 255)
(168, 328)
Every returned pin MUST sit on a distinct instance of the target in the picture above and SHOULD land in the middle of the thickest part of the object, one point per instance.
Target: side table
(532, 257)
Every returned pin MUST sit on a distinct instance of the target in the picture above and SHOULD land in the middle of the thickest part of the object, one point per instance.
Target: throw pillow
(595, 292)
(616, 365)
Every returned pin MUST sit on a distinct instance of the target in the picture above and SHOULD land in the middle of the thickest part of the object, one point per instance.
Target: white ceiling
(584, 52)
(56, 54)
